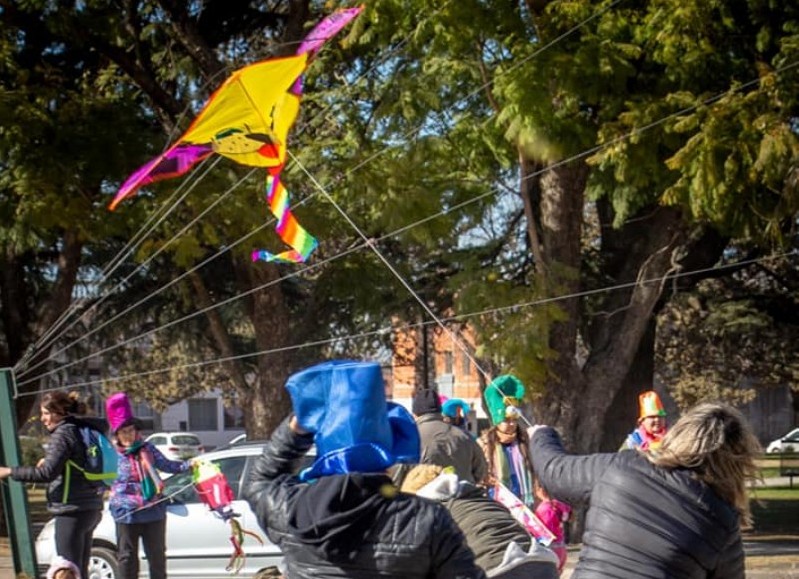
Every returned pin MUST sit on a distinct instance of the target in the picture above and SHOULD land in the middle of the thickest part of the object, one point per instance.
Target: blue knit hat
(343, 403)
(451, 405)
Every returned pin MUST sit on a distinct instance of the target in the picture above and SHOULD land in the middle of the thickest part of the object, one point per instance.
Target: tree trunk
(266, 401)
(616, 332)
(219, 333)
(59, 299)
(560, 216)
(622, 415)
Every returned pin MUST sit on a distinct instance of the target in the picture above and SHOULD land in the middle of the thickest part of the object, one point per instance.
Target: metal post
(14, 496)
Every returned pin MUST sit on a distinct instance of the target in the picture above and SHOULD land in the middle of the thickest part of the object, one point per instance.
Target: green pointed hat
(506, 390)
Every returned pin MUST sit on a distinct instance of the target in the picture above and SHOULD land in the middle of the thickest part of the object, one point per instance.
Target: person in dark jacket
(446, 444)
(342, 516)
(136, 503)
(672, 513)
(76, 503)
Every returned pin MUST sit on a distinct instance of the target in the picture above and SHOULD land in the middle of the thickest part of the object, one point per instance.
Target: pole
(14, 496)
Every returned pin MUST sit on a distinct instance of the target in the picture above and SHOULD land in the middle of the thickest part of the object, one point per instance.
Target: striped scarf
(143, 466)
(511, 470)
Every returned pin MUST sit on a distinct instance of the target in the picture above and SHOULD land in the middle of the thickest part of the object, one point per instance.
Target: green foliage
(414, 127)
(31, 450)
(728, 338)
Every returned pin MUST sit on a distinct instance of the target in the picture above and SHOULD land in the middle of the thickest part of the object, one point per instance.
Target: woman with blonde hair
(674, 512)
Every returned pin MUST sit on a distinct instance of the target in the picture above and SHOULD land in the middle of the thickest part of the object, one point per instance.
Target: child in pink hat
(62, 568)
(136, 502)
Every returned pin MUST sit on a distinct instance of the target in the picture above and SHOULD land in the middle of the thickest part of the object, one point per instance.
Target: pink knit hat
(119, 412)
(61, 564)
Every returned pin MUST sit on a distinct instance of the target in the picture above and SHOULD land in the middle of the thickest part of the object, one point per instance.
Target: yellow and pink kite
(247, 120)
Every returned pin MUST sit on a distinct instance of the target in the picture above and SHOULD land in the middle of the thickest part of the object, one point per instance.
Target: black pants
(153, 536)
(73, 537)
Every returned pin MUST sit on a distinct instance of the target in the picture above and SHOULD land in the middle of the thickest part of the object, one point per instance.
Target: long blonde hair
(716, 442)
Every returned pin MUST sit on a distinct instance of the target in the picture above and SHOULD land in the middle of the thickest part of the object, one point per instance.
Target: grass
(769, 465)
(777, 493)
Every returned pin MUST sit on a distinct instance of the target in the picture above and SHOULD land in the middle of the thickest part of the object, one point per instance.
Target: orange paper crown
(650, 405)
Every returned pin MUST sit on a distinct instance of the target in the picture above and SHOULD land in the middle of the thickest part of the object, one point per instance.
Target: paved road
(772, 559)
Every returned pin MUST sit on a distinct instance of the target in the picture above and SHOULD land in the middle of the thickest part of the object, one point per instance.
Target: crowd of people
(394, 493)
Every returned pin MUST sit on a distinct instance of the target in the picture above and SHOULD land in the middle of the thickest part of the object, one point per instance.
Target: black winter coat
(355, 526)
(488, 526)
(65, 444)
(643, 521)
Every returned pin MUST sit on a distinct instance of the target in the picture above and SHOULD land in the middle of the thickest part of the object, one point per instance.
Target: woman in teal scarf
(506, 444)
(136, 497)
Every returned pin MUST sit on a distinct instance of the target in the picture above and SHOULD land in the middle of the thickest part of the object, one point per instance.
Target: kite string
(406, 40)
(577, 156)
(159, 251)
(373, 247)
(634, 132)
(39, 343)
(50, 337)
(406, 327)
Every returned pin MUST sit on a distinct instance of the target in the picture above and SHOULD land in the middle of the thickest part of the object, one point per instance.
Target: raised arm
(164, 464)
(59, 449)
(569, 478)
(271, 479)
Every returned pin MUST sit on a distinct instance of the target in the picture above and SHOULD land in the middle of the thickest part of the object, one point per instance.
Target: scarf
(511, 470)
(143, 465)
(646, 440)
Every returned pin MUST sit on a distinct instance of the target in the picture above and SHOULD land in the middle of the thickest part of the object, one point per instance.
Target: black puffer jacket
(488, 526)
(643, 521)
(65, 444)
(355, 526)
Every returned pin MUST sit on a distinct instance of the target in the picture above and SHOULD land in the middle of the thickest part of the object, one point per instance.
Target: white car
(177, 445)
(197, 540)
(787, 443)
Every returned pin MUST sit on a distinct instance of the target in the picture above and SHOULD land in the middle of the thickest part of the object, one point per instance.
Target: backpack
(100, 460)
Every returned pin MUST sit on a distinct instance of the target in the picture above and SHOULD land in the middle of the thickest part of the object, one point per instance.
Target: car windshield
(185, 440)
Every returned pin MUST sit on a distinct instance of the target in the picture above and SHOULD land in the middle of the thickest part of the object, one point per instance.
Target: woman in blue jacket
(136, 501)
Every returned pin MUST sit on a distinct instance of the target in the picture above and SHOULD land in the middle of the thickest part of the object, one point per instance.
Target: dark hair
(491, 440)
(59, 402)
(425, 401)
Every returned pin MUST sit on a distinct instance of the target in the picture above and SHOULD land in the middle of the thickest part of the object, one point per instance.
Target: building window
(203, 414)
(147, 417)
(234, 418)
(466, 365)
(447, 362)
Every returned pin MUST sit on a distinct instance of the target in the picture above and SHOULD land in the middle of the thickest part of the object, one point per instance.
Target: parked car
(238, 439)
(787, 443)
(197, 540)
(177, 445)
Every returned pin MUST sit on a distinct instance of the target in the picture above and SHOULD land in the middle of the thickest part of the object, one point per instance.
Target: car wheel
(103, 564)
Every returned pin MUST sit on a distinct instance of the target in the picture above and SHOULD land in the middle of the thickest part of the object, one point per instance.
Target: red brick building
(448, 368)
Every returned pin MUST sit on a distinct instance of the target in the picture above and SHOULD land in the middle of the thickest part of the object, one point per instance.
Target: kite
(213, 489)
(247, 120)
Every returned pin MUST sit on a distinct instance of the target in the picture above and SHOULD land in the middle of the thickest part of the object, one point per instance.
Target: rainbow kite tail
(288, 228)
